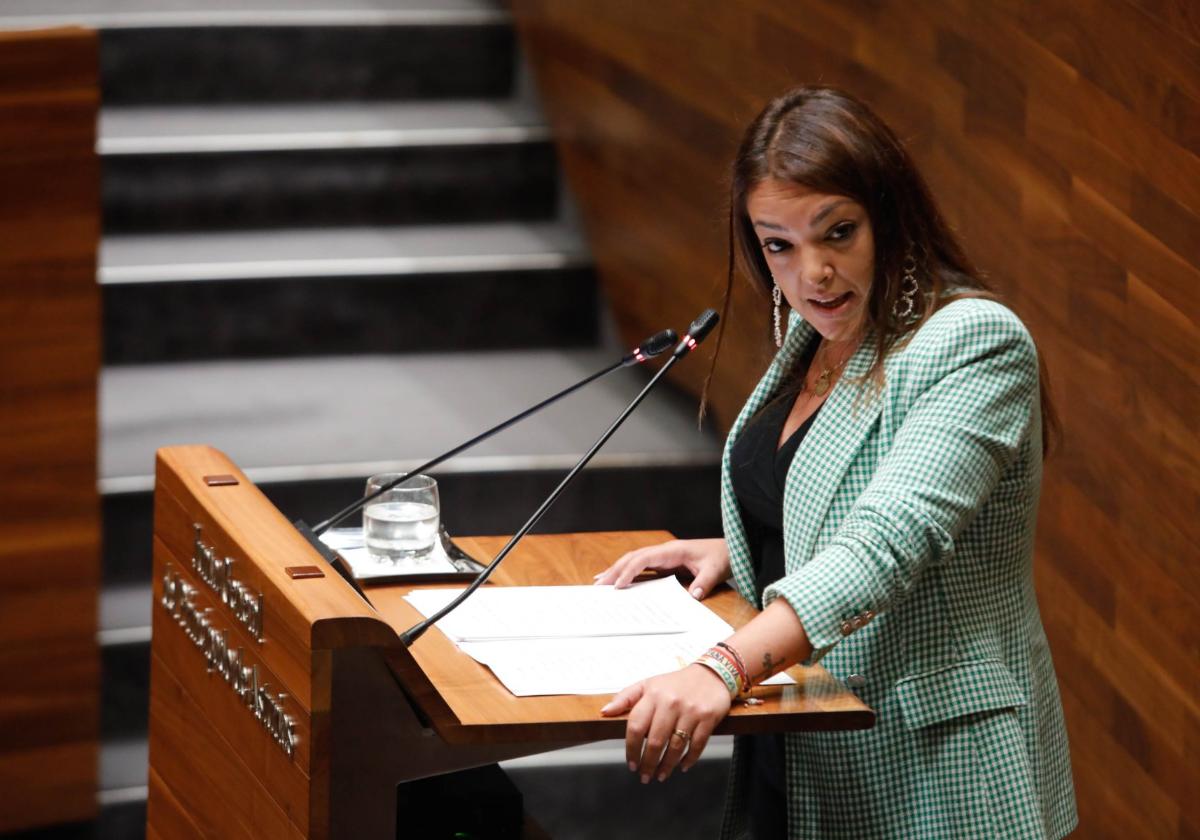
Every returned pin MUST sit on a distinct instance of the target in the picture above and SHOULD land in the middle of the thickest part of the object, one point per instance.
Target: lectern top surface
(465, 702)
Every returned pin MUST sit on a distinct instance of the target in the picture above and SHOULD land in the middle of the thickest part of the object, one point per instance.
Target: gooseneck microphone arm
(652, 346)
(700, 328)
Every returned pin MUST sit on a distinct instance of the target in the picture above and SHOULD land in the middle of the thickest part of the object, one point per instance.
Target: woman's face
(821, 252)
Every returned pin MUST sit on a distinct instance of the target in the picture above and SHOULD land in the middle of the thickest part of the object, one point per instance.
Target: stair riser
(94, 830)
(680, 499)
(423, 185)
(124, 690)
(160, 322)
(119, 821)
(305, 64)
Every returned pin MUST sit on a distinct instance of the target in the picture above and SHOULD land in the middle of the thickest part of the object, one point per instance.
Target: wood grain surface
(213, 764)
(308, 614)
(49, 361)
(471, 705)
(186, 662)
(1062, 140)
(222, 796)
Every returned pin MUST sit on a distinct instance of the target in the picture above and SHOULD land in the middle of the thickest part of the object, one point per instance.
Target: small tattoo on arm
(769, 666)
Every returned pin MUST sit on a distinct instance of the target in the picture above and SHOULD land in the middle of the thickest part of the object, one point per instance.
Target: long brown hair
(826, 140)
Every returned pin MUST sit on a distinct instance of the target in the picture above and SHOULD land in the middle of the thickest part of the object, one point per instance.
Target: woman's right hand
(706, 560)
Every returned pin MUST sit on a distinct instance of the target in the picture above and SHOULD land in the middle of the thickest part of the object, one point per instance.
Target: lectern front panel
(240, 661)
(231, 738)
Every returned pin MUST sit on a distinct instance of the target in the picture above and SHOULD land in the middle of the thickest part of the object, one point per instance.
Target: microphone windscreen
(658, 342)
(703, 324)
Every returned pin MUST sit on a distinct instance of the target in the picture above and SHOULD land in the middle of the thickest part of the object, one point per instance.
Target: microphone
(651, 347)
(697, 332)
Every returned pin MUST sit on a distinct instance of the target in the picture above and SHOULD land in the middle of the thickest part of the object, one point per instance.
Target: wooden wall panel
(49, 361)
(1062, 139)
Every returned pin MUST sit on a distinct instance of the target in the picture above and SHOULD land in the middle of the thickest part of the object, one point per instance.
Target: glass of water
(402, 523)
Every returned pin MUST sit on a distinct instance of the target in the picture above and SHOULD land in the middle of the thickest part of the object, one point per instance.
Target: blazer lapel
(824, 456)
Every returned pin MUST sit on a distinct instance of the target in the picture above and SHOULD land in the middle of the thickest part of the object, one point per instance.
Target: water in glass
(403, 522)
(399, 530)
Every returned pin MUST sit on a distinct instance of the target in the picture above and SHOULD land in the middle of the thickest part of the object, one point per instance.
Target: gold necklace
(824, 379)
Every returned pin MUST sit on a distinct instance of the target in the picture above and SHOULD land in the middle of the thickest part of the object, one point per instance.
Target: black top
(758, 471)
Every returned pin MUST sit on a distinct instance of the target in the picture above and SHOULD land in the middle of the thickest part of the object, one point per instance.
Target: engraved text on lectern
(181, 600)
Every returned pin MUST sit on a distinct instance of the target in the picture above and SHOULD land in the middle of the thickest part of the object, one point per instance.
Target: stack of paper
(578, 639)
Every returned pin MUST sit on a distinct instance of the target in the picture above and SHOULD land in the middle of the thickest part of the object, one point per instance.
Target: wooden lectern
(282, 705)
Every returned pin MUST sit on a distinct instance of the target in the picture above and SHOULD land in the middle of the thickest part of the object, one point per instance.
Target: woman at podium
(879, 494)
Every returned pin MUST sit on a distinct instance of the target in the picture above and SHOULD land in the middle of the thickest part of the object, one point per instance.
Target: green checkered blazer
(908, 528)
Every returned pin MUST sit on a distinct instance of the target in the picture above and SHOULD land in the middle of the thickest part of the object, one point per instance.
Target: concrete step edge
(461, 465)
(321, 140)
(413, 17)
(128, 131)
(358, 252)
(122, 796)
(346, 267)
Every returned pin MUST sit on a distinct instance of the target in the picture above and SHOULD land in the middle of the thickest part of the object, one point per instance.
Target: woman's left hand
(670, 719)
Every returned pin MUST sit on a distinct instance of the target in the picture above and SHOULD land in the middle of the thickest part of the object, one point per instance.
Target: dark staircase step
(124, 636)
(305, 63)
(122, 818)
(274, 50)
(309, 431)
(234, 167)
(296, 417)
(571, 793)
(298, 292)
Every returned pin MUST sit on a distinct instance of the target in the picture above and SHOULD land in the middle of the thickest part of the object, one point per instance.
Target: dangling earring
(777, 299)
(906, 303)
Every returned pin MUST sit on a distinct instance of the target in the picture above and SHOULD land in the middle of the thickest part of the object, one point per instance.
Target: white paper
(541, 640)
(551, 612)
(585, 666)
(592, 666)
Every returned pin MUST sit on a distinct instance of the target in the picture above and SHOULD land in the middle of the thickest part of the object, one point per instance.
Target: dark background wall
(1062, 139)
